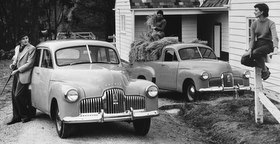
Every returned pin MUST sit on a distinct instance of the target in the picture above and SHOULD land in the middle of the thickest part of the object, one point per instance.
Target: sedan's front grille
(136, 102)
(91, 105)
(113, 101)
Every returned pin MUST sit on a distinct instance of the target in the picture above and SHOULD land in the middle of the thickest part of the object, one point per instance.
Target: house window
(122, 23)
(250, 20)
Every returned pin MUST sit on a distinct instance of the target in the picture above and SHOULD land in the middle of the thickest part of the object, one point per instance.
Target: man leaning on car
(22, 66)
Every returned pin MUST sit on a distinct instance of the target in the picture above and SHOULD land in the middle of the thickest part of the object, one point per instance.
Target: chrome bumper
(104, 117)
(221, 88)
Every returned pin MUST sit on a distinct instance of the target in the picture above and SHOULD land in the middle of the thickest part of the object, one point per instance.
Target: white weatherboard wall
(189, 28)
(123, 38)
(239, 11)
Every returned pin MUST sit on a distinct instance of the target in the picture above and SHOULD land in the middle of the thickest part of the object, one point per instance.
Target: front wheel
(142, 126)
(63, 129)
(189, 91)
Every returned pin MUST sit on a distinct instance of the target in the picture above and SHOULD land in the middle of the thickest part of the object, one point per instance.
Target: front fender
(194, 75)
(66, 108)
(138, 87)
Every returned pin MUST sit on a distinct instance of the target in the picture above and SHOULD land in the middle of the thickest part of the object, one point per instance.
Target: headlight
(71, 95)
(247, 74)
(204, 76)
(152, 91)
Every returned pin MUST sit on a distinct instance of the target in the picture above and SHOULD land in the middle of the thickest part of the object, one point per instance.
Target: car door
(167, 71)
(41, 81)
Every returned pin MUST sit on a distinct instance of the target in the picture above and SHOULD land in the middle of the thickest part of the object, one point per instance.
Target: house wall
(239, 11)
(189, 28)
(124, 38)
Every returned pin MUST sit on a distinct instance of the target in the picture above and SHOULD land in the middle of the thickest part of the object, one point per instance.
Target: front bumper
(221, 88)
(104, 117)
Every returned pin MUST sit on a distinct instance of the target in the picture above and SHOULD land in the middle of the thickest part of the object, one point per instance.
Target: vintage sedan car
(191, 68)
(83, 81)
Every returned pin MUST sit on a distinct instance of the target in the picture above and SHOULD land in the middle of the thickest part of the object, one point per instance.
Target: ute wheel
(141, 77)
(189, 92)
(142, 126)
(63, 129)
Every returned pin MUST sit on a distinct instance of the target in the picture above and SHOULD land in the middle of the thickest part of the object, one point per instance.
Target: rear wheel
(141, 77)
(63, 129)
(189, 91)
(142, 126)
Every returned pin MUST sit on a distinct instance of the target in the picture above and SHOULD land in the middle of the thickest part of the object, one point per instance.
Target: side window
(37, 57)
(46, 59)
(170, 56)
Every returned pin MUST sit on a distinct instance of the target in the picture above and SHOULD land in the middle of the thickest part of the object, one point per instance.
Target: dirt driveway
(166, 128)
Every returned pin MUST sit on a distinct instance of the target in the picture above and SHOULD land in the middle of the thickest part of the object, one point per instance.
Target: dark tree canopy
(44, 18)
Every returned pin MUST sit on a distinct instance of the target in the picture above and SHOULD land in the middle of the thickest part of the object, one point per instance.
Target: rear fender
(146, 71)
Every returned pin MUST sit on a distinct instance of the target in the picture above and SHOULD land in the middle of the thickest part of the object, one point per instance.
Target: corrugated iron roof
(163, 3)
(175, 3)
(214, 3)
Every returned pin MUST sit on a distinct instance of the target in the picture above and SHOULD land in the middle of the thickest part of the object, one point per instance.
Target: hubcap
(58, 122)
(191, 92)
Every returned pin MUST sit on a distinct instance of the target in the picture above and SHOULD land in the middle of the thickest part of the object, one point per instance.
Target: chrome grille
(215, 82)
(136, 102)
(228, 80)
(114, 101)
(91, 105)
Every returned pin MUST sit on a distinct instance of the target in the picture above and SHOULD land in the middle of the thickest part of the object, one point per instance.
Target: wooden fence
(262, 98)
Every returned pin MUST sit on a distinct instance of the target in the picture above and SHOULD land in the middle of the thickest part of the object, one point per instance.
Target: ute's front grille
(228, 80)
(215, 82)
(238, 81)
(91, 105)
(113, 101)
(136, 102)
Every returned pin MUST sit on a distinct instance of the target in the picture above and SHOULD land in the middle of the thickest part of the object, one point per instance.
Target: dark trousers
(20, 98)
(258, 54)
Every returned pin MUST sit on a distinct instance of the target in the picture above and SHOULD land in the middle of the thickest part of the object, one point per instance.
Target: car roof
(57, 44)
(184, 45)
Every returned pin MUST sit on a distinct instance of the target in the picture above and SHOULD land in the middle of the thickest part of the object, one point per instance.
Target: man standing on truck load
(159, 26)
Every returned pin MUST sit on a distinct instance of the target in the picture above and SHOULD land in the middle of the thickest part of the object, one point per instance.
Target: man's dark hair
(262, 7)
(22, 34)
(160, 12)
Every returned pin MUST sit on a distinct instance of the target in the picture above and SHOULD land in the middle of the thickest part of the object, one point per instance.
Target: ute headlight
(152, 91)
(204, 76)
(71, 95)
(247, 74)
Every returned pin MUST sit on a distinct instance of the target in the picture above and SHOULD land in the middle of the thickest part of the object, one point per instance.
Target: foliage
(144, 50)
(229, 120)
(51, 16)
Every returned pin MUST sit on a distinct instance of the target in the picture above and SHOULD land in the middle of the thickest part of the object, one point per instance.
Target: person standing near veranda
(159, 26)
(22, 66)
(264, 40)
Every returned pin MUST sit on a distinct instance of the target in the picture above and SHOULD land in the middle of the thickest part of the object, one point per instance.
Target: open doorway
(174, 26)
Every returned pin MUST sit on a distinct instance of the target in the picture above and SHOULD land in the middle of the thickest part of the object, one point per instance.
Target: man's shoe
(14, 120)
(24, 120)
